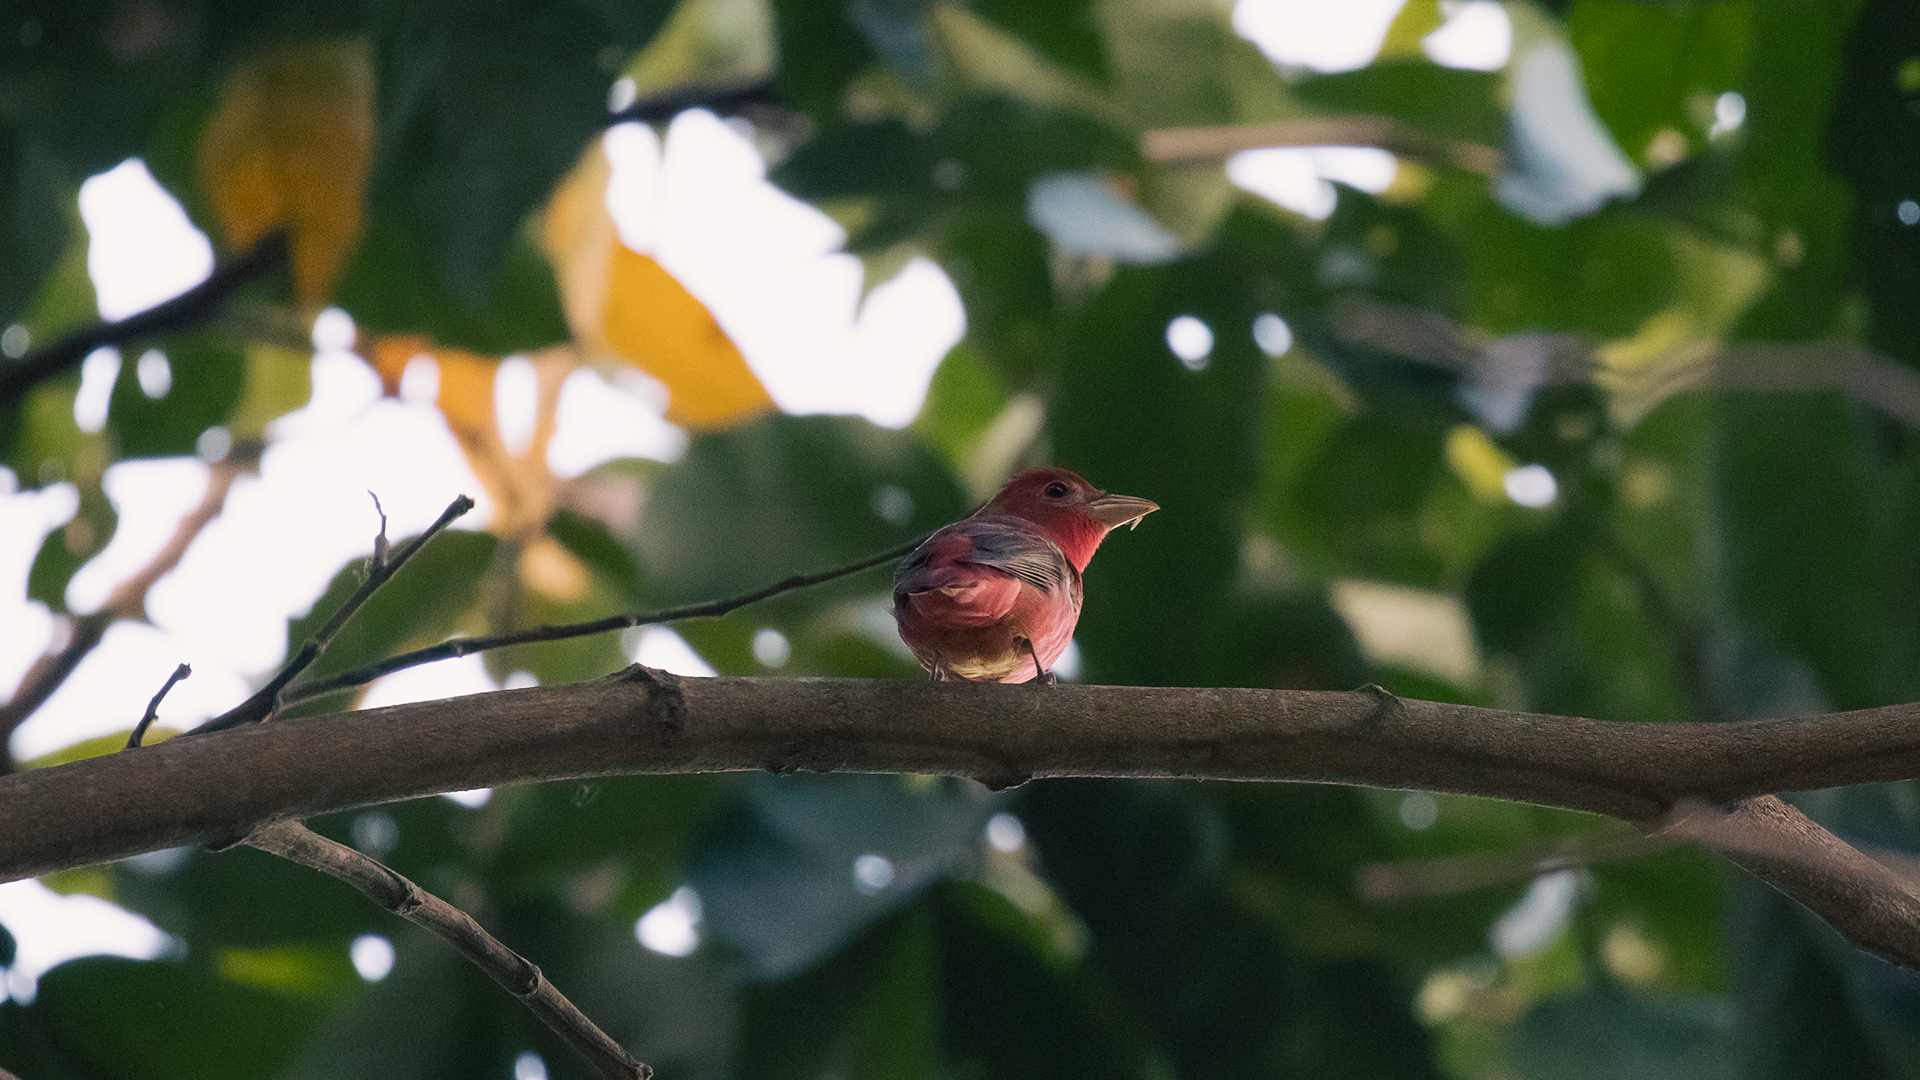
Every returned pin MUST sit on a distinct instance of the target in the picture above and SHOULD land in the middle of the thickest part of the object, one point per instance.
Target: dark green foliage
(1730, 538)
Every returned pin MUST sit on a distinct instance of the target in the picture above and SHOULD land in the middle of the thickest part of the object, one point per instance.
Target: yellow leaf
(288, 147)
(655, 324)
(624, 305)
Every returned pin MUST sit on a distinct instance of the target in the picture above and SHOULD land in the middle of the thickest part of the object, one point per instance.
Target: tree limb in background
(709, 609)
(1212, 143)
(1530, 361)
(380, 568)
(128, 599)
(296, 843)
(218, 788)
(192, 308)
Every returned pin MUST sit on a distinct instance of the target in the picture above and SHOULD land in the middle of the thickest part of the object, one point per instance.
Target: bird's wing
(1010, 545)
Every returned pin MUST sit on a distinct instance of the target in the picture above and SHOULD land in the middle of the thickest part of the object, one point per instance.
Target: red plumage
(994, 597)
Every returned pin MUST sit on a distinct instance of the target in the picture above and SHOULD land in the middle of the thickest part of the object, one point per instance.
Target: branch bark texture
(216, 788)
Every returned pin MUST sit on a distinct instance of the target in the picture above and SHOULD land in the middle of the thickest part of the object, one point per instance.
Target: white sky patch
(1531, 486)
(51, 929)
(1191, 340)
(430, 682)
(150, 496)
(26, 626)
(659, 647)
(1006, 833)
(672, 926)
(599, 421)
(1477, 36)
(1301, 178)
(1067, 667)
(285, 535)
(770, 269)
(516, 403)
(372, 956)
(141, 249)
(1317, 34)
(1533, 923)
(97, 375)
(1729, 113)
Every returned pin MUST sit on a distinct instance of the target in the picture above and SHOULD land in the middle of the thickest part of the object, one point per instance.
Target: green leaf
(590, 540)
(820, 52)
(391, 286)
(483, 108)
(34, 221)
(1067, 33)
(108, 1016)
(69, 547)
(784, 495)
(1659, 69)
(1458, 104)
(1125, 404)
(777, 877)
(1874, 140)
(1805, 524)
(207, 372)
(1607, 1034)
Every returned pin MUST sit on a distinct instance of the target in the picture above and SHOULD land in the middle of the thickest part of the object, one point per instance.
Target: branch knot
(666, 712)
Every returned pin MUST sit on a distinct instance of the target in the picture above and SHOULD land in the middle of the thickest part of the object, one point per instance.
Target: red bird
(994, 597)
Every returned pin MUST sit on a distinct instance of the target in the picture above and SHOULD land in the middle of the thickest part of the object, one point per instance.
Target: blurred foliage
(1720, 543)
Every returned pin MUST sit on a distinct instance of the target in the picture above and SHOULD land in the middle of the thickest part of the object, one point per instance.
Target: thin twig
(448, 650)
(296, 843)
(128, 599)
(153, 707)
(191, 308)
(267, 700)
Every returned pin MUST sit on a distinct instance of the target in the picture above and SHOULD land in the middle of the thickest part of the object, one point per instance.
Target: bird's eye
(1057, 490)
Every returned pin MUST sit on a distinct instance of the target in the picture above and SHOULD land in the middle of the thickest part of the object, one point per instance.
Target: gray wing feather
(1007, 544)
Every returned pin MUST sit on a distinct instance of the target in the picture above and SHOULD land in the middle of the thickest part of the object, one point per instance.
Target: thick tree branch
(520, 977)
(218, 788)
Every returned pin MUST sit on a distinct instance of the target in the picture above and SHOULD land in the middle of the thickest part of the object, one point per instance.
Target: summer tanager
(994, 597)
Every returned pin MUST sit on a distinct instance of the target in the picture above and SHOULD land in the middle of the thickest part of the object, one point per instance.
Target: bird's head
(1073, 513)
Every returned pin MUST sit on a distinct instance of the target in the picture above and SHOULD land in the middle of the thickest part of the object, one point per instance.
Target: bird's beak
(1114, 511)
